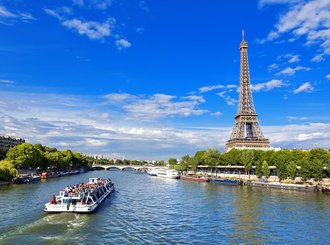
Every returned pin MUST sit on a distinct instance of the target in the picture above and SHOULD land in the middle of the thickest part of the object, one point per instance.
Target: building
(6, 142)
(246, 132)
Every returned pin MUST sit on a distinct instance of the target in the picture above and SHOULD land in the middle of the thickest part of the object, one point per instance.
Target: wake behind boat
(81, 198)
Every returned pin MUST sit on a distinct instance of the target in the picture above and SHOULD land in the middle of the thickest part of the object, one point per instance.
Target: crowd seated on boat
(82, 191)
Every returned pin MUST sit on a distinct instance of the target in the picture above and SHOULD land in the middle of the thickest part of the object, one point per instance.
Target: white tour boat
(81, 198)
(152, 172)
(168, 173)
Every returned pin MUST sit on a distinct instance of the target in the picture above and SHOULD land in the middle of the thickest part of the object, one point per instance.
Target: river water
(151, 210)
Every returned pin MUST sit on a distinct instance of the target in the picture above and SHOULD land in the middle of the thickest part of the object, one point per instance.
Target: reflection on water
(149, 210)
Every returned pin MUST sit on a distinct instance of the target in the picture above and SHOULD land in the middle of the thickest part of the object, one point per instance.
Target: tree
(247, 158)
(233, 157)
(281, 168)
(55, 160)
(7, 171)
(24, 156)
(184, 163)
(292, 169)
(305, 171)
(265, 169)
(258, 165)
(212, 158)
(172, 161)
(316, 168)
(68, 158)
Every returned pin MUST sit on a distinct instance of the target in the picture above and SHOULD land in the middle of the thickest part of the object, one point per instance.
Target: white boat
(152, 172)
(81, 198)
(167, 173)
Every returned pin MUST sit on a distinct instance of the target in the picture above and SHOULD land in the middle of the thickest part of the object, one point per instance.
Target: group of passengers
(83, 188)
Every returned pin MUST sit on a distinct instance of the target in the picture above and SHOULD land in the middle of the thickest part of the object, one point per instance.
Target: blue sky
(151, 79)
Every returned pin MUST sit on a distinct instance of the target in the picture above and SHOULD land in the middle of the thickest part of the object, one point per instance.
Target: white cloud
(318, 58)
(5, 81)
(306, 87)
(162, 105)
(267, 86)
(6, 13)
(328, 76)
(92, 29)
(97, 4)
(119, 97)
(309, 19)
(229, 100)
(66, 121)
(143, 6)
(199, 99)
(123, 44)
(8, 17)
(292, 118)
(289, 71)
(215, 87)
(292, 58)
(217, 114)
(272, 67)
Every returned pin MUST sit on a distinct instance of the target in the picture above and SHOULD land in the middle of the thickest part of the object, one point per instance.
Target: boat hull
(199, 179)
(227, 181)
(168, 176)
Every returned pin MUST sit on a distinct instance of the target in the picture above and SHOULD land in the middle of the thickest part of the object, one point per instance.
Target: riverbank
(4, 183)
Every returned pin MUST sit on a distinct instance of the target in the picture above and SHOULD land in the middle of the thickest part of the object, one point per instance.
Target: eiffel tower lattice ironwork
(246, 132)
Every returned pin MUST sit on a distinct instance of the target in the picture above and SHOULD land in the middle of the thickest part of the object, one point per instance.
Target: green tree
(161, 163)
(212, 158)
(317, 168)
(233, 157)
(265, 169)
(24, 156)
(118, 162)
(258, 165)
(247, 158)
(55, 160)
(305, 171)
(184, 163)
(281, 168)
(68, 158)
(292, 170)
(172, 161)
(7, 171)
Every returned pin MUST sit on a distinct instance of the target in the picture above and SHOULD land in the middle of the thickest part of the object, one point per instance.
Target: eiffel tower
(246, 132)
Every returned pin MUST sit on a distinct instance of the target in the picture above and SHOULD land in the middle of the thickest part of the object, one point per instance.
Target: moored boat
(167, 173)
(195, 178)
(326, 189)
(226, 181)
(152, 172)
(26, 178)
(81, 198)
(23, 179)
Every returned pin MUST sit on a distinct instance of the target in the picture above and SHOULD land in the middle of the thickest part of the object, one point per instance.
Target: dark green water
(151, 210)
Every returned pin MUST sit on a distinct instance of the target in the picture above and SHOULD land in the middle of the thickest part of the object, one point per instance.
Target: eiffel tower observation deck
(246, 132)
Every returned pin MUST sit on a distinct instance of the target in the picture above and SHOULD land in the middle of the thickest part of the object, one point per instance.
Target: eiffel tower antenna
(246, 132)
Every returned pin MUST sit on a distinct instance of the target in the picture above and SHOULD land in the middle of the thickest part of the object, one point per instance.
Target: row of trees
(28, 156)
(308, 164)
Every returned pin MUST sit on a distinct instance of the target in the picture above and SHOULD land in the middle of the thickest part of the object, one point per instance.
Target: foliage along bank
(28, 156)
(314, 163)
